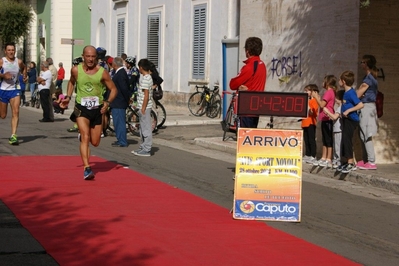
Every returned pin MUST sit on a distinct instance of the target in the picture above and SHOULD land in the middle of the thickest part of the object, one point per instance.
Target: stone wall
(305, 40)
(378, 35)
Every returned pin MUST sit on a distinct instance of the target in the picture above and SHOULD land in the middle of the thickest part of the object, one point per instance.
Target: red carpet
(126, 218)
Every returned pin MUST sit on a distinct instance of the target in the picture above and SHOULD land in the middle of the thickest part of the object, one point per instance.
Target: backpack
(379, 104)
(157, 93)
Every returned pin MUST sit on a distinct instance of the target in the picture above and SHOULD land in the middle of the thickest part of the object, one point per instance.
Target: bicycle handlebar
(206, 88)
(234, 93)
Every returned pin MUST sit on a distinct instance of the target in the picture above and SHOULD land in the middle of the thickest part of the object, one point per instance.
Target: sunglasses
(362, 62)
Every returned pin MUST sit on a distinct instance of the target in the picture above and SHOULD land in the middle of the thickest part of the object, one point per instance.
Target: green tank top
(89, 85)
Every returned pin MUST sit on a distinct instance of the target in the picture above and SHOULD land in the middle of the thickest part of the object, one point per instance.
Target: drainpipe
(225, 71)
(224, 79)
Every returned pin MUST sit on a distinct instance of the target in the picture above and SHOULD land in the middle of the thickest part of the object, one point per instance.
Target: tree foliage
(15, 20)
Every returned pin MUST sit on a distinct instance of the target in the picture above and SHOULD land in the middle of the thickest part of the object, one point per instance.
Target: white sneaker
(336, 164)
(317, 162)
(312, 160)
(323, 163)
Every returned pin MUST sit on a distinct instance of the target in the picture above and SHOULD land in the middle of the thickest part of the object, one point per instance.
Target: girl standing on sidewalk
(367, 93)
(337, 127)
(330, 84)
(309, 126)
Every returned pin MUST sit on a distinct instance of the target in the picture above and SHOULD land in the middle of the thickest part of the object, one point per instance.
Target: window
(199, 41)
(153, 38)
(121, 37)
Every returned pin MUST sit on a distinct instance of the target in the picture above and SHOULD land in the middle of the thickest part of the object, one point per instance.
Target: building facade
(183, 38)
(57, 25)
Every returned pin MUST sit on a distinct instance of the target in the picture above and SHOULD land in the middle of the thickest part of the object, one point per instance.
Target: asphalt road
(356, 222)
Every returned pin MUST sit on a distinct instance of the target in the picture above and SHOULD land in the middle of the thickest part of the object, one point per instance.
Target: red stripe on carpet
(126, 218)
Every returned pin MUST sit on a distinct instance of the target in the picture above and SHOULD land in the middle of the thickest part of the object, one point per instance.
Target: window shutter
(153, 38)
(199, 41)
(121, 37)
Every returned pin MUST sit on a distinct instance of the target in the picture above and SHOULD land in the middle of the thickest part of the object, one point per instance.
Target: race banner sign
(268, 177)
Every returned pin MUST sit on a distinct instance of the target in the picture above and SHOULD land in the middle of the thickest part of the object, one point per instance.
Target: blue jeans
(32, 87)
(119, 120)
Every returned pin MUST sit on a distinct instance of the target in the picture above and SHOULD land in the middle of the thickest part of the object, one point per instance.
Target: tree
(15, 20)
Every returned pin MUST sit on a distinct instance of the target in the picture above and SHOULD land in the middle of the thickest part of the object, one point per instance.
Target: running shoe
(73, 129)
(341, 167)
(88, 174)
(319, 163)
(311, 160)
(142, 153)
(136, 151)
(13, 140)
(368, 166)
(323, 163)
(336, 164)
(360, 164)
(348, 168)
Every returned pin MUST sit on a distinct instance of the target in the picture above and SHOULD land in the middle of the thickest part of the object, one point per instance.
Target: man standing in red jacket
(252, 76)
(60, 75)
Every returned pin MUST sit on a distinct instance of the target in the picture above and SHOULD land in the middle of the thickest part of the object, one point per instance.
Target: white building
(183, 38)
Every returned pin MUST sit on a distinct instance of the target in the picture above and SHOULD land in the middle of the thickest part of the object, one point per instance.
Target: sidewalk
(386, 176)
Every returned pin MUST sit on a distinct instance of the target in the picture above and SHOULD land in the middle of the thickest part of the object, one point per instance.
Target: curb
(191, 122)
(357, 176)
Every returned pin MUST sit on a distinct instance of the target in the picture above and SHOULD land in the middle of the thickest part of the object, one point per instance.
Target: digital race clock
(292, 104)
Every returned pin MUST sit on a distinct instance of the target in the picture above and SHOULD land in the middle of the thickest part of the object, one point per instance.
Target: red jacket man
(252, 76)
(60, 76)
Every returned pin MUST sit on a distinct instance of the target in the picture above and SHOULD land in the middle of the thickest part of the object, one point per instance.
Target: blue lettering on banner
(283, 211)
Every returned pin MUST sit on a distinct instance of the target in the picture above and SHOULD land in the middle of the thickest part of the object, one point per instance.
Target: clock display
(289, 104)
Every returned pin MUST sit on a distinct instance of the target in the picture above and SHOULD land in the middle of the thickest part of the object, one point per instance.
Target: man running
(91, 81)
(10, 67)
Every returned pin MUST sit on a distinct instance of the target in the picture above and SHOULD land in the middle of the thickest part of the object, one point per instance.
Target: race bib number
(90, 102)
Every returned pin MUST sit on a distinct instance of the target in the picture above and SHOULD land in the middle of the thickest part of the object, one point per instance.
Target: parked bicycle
(158, 109)
(231, 121)
(35, 98)
(205, 101)
(133, 121)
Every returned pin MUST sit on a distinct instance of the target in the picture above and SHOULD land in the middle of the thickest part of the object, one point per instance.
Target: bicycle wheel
(215, 107)
(132, 121)
(226, 123)
(37, 103)
(229, 124)
(160, 112)
(197, 103)
(154, 121)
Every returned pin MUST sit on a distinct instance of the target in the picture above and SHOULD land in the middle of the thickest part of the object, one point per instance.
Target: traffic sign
(72, 41)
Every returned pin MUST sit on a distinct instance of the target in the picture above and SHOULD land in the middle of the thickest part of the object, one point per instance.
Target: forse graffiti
(287, 66)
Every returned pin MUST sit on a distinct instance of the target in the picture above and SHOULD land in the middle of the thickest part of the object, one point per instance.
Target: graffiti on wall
(285, 67)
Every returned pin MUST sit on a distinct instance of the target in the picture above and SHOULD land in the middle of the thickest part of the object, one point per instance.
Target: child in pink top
(57, 99)
(330, 84)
